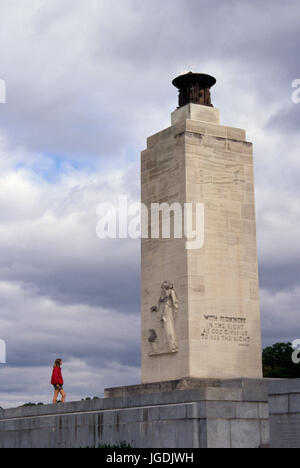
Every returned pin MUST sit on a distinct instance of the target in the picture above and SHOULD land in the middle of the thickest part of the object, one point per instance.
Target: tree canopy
(277, 362)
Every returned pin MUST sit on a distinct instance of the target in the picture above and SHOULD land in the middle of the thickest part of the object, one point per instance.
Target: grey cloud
(280, 277)
(89, 82)
(108, 278)
(280, 316)
(286, 120)
(100, 79)
(45, 330)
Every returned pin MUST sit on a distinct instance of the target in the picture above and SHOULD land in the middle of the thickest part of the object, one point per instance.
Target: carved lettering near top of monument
(226, 329)
(162, 337)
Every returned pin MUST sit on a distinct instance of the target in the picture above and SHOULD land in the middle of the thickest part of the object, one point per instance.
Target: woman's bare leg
(63, 396)
(56, 392)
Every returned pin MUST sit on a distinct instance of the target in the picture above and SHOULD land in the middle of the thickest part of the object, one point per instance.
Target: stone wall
(234, 416)
(182, 414)
(284, 406)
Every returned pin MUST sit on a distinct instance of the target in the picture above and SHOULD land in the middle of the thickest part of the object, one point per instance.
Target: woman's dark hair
(57, 363)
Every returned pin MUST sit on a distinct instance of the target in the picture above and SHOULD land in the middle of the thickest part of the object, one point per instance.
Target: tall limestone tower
(200, 300)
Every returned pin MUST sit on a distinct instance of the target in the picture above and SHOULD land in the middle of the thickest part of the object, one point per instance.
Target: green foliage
(277, 362)
(32, 404)
(90, 399)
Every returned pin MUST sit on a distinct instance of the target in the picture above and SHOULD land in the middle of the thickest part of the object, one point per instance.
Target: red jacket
(56, 378)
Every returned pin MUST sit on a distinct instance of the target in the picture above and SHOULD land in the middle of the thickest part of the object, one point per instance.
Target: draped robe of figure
(168, 306)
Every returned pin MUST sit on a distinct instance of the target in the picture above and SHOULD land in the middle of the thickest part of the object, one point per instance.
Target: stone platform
(256, 385)
(181, 414)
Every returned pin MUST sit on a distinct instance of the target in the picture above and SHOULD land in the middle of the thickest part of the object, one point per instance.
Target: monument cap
(194, 88)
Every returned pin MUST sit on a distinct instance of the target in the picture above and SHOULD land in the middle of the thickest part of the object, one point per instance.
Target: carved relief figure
(168, 306)
(166, 313)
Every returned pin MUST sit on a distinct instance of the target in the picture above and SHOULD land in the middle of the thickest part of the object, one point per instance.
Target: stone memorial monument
(200, 303)
(202, 384)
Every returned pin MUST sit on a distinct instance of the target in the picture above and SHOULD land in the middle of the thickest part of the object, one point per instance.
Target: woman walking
(57, 382)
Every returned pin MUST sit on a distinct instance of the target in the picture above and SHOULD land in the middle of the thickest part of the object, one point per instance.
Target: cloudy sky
(87, 82)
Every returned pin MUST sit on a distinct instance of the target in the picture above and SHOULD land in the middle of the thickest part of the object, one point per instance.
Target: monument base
(203, 413)
(189, 383)
(188, 413)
